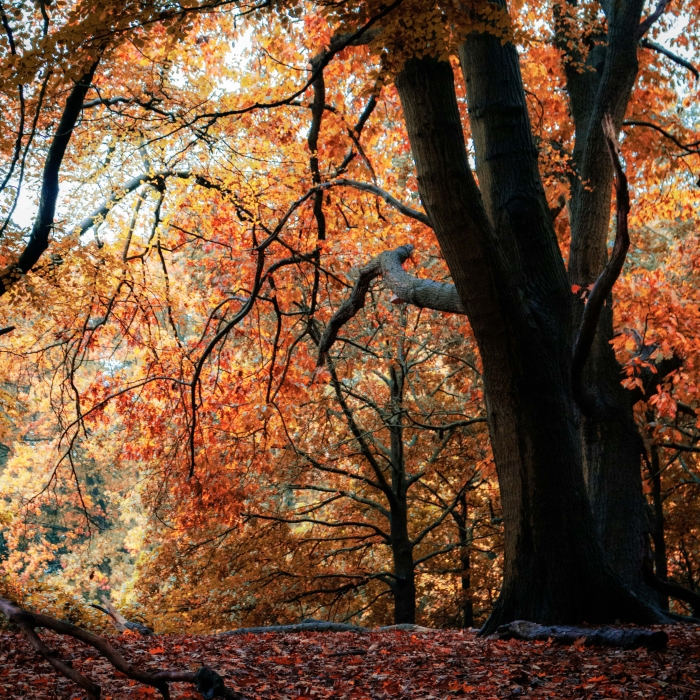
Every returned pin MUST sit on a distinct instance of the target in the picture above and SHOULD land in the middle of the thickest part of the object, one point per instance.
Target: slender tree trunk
(465, 541)
(658, 531)
(401, 547)
(511, 279)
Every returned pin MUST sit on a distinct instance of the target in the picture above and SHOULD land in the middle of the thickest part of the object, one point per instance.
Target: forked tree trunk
(507, 268)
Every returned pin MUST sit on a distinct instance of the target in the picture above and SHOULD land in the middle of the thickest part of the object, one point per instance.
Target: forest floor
(390, 664)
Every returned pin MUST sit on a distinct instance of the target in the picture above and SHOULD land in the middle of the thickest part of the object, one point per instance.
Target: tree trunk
(504, 260)
(658, 530)
(612, 465)
(404, 586)
(465, 541)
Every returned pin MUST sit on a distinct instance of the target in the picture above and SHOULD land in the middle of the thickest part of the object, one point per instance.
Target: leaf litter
(378, 665)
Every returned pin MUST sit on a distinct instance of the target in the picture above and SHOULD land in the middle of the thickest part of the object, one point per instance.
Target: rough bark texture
(504, 260)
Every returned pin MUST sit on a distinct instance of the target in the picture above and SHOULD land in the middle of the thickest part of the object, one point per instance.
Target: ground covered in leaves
(391, 664)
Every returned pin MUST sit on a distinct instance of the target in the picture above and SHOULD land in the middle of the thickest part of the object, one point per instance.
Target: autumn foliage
(168, 434)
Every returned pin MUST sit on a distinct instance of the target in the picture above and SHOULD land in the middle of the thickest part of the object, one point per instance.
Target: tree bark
(508, 271)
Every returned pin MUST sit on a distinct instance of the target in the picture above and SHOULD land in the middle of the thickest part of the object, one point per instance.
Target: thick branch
(605, 282)
(423, 293)
(39, 236)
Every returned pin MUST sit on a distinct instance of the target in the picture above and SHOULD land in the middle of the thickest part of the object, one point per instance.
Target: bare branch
(448, 426)
(678, 446)
(388, 198)
(690, 148)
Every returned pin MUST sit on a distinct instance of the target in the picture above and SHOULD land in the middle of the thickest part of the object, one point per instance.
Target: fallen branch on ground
(204, 680)
(602, 637)
(311, 625)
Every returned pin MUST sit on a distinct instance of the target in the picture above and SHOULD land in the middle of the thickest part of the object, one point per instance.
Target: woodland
(349, 349)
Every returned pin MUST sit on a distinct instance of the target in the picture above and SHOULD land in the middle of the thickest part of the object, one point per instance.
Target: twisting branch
(605, 282)
(428, 294)
(29, 621)
(647, 44)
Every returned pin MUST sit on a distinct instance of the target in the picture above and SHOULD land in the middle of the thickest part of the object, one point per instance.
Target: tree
(392, 471)
(499, 243)
(549, 411)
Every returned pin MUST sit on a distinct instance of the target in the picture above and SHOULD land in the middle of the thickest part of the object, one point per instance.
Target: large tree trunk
(507, 268)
